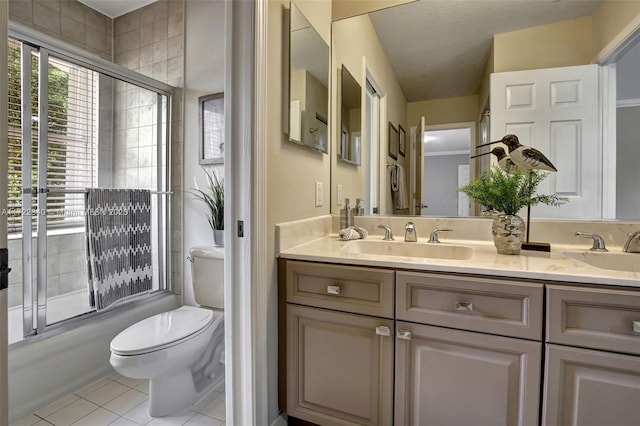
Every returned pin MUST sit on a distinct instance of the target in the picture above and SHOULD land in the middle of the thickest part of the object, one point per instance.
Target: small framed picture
(393, 141)
(402, 144)
(211, 129)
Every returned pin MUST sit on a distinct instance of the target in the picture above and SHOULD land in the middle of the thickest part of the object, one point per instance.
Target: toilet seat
(162, 331)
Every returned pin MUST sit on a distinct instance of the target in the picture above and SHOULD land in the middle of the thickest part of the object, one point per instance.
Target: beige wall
(444, 111)
(612, 22)
(292, 172)
(318, 15)
(566, 43)
(353, 40)
(347, 8)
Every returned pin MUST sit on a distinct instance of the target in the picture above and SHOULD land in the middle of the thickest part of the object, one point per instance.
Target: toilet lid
(161, 330)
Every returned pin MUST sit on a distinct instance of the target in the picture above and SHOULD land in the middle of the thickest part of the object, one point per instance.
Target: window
(72, 135)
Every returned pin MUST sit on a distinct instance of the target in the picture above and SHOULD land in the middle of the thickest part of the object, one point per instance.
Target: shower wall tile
(66, 265)
(68, 20)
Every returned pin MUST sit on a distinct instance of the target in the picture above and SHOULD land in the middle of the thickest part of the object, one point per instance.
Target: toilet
(181, 352)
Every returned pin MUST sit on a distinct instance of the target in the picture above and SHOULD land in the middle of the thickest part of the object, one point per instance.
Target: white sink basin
(400, 248)
(628, 262)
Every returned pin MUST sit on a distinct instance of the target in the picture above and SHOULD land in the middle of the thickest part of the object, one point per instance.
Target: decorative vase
(508, 233)
(218, 237)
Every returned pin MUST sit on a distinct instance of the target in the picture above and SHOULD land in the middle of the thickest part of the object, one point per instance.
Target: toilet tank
(207, 275)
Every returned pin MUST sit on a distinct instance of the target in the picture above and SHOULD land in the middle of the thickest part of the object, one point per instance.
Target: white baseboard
(281, 420)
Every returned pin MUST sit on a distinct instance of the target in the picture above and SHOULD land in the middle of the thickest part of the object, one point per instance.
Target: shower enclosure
(75, 123)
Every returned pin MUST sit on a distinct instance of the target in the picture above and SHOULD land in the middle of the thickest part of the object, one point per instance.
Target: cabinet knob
(464, 306)
(383, 330)
(333, 289)
(636, 326)
(404, 334)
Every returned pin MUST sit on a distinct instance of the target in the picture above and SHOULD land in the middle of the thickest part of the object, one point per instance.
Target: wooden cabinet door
(591, 388)
(450, 377)
(339, 367)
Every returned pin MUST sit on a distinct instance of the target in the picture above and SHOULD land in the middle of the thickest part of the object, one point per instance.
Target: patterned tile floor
(120, 401)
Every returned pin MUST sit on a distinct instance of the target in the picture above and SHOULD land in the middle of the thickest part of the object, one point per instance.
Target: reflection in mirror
(211, 129)
(444, 69)
(308, 84)
(350, 148)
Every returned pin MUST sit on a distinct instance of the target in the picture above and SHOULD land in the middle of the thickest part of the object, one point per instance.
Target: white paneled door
(556, 110)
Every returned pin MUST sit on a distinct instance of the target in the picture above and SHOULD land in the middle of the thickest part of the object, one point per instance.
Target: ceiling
(115, 8)
(439, 48)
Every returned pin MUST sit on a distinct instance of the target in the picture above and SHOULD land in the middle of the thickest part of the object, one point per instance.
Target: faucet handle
(388, 235)
(434, 234)
(598, 242)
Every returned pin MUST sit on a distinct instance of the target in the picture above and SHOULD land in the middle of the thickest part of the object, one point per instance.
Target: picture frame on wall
(393, 141)
(402, 140)
(211, 129)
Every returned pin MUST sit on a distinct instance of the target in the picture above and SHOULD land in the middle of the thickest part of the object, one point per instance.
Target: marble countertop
(549, 267)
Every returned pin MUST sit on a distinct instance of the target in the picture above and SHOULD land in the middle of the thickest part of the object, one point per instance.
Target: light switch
(339, 190)
(319, 195)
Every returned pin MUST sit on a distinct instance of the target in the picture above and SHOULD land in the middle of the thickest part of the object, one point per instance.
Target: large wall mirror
(308, 84)
(438, 60)
(350, 143)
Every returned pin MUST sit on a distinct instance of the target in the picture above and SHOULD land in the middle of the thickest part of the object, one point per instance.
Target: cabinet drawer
(594, 318)
(367, 291)
(510, 308)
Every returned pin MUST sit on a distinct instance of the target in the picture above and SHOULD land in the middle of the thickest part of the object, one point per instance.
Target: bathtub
(45, 369)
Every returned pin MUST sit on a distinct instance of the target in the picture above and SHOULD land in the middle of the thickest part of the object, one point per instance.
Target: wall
(292, 171)
(612, 22)
(628, 173)
(565, 43)
(342, 9)
(150, 40)
(204, 75)
(444, 111)
(67, 20)
(66, 265)
(353, 40)
(442, 173)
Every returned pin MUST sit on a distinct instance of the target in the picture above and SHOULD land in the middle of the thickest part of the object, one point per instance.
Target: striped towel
(353, 233)
(118, 235)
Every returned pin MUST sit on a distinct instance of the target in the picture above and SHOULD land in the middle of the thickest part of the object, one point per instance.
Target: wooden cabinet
(591, 388)
(337, 367)
(340, 367)
(375, 346)
(597, 385)
(452, 377)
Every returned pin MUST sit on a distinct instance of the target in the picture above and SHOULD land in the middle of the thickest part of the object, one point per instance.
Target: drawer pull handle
(464, 306)
(333, 289)
(636, 327)
(404, 334)
(383, 330)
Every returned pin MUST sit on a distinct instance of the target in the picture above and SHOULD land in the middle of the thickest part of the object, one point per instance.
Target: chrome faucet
(598, 242)
(434, 234)
(410, 235)
(388, 235)
(633, 243)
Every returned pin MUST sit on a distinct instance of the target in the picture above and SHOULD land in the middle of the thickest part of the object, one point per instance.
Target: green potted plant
(213, 197)
(507, 193)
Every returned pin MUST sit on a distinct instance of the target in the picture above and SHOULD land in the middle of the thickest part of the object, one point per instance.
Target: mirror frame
(292, 109)
(345, 141)
(203, 101)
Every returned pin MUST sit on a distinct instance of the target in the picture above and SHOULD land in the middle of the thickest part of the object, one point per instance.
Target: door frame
(4, 348)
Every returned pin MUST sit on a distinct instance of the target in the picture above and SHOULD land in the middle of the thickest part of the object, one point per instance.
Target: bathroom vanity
(486, 340)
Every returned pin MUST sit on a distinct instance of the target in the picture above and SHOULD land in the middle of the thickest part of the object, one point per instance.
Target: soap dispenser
(346, 215)
(359, 209)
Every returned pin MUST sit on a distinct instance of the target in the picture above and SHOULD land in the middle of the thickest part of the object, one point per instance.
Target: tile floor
(120, 401)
